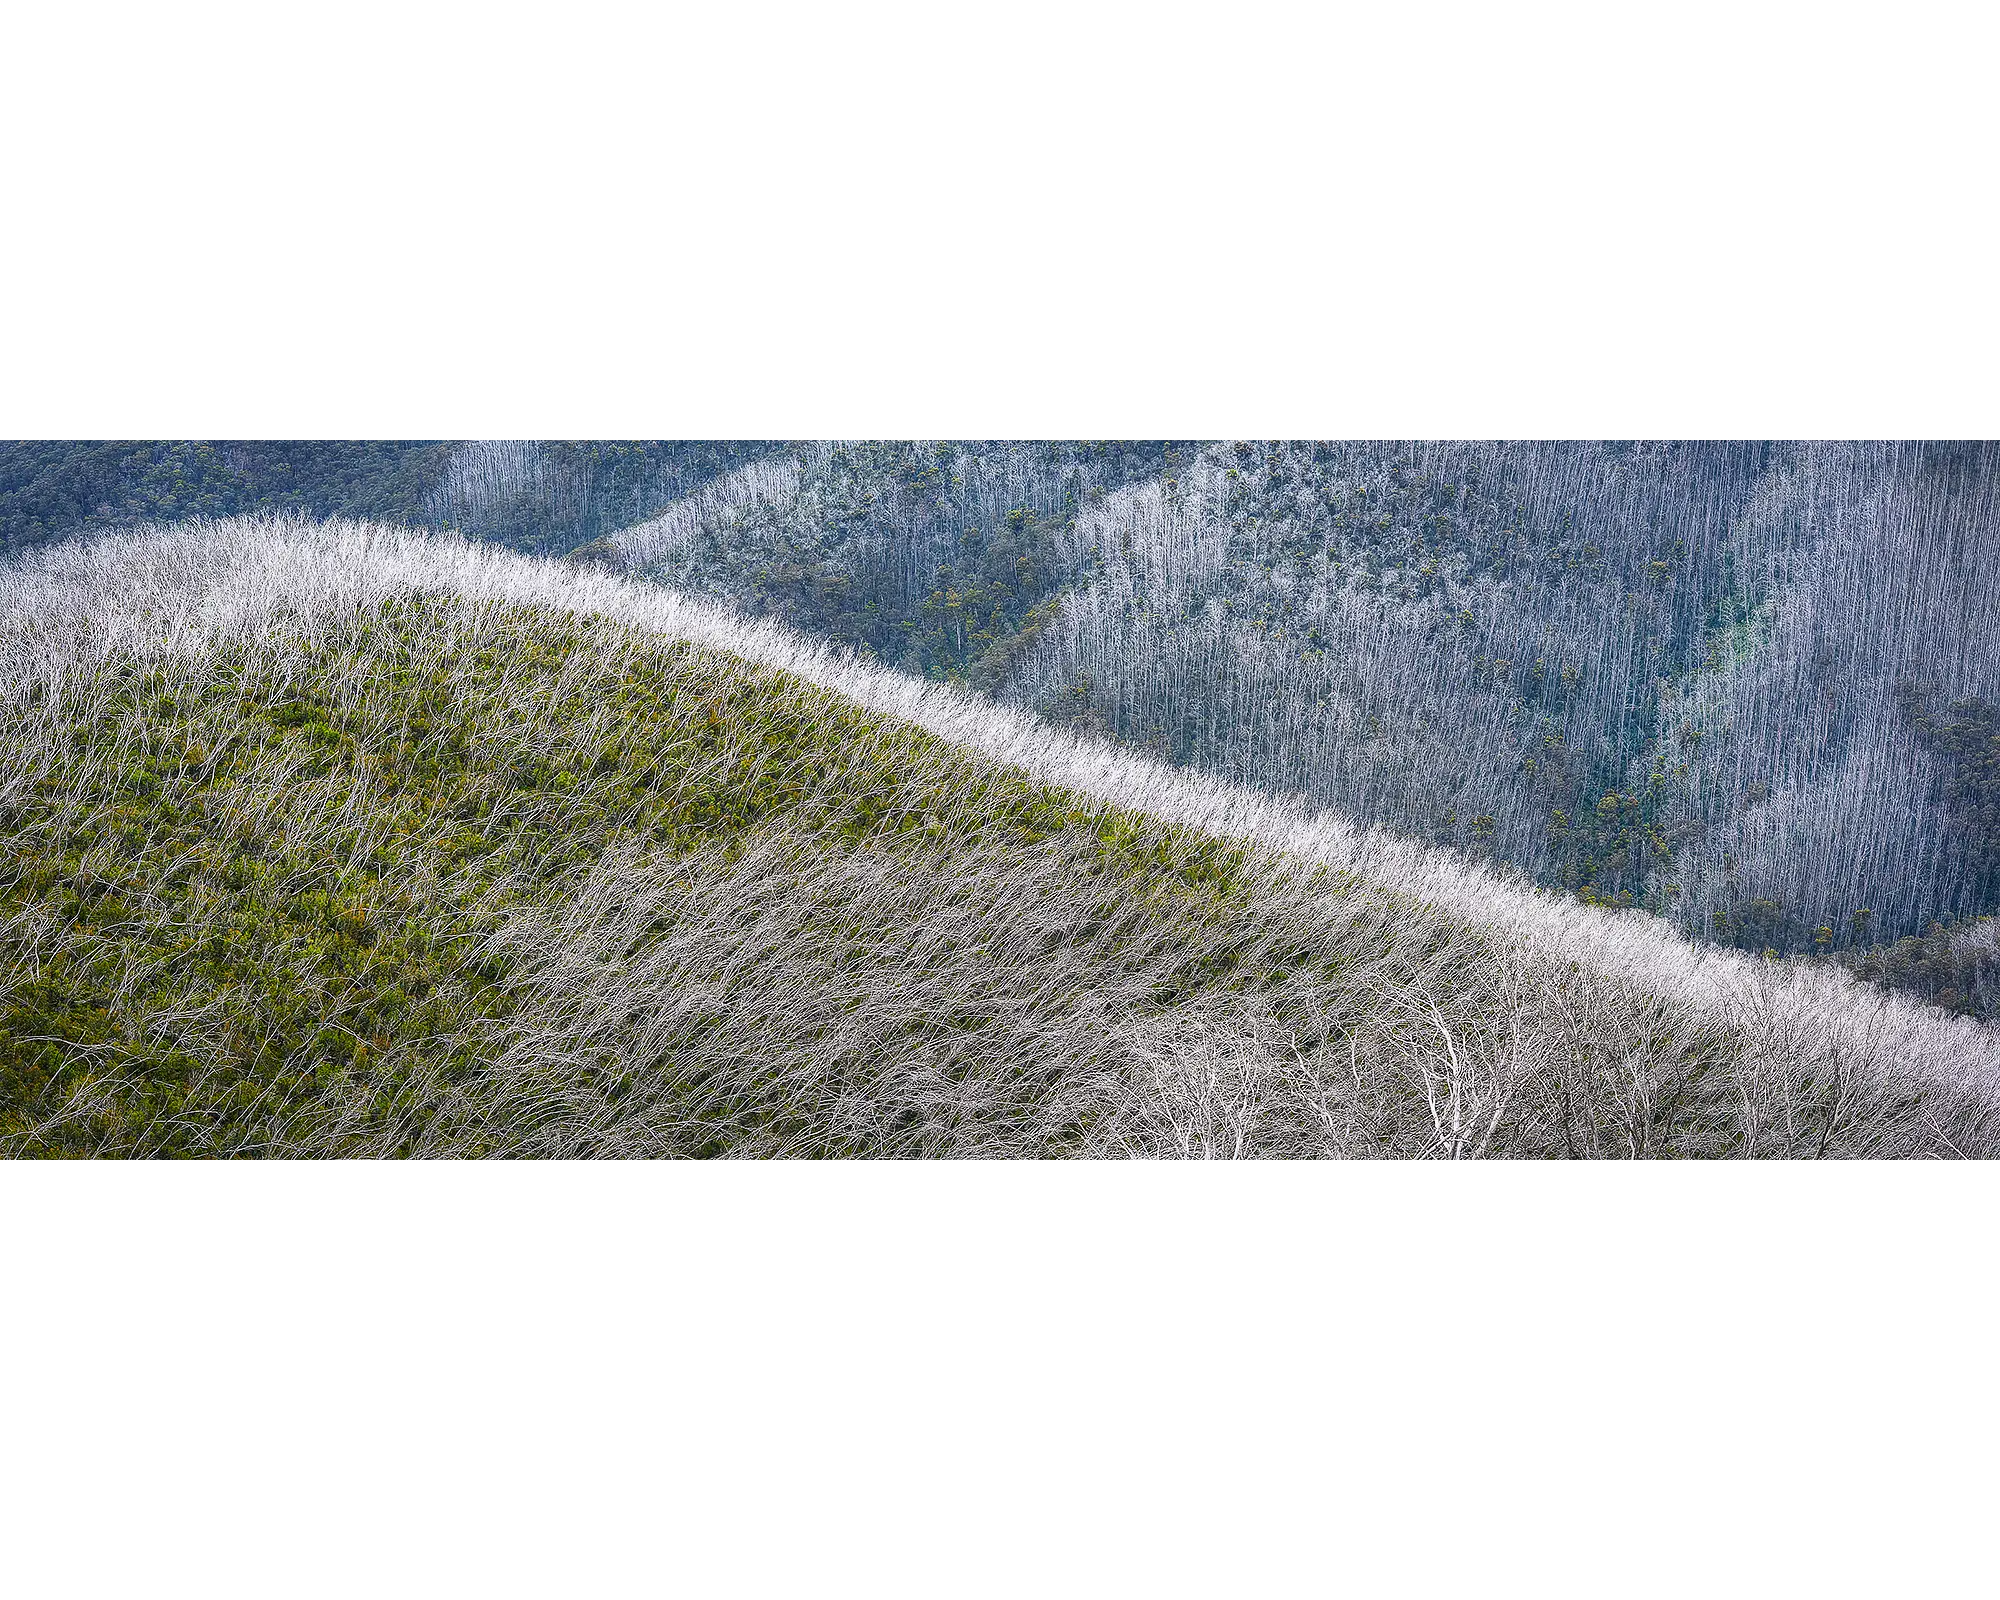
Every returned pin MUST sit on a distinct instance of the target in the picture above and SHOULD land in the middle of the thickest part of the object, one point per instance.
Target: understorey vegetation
(337, 841)
(1956, 967)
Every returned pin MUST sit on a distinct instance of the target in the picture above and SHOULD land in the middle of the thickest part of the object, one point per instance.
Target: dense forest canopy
(1752, 686)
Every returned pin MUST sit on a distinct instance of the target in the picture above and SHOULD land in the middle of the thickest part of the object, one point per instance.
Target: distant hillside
(538, 496)
(56, 488)
(339, 840)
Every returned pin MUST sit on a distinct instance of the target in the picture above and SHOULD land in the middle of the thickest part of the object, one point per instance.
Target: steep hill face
(346, 841)
(938, 557)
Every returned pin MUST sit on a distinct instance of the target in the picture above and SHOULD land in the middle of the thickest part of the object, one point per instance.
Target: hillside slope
(339, 840)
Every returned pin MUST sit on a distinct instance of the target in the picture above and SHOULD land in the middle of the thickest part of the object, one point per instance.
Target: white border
(1087, 220)
(963, 1380)
(1435, 219)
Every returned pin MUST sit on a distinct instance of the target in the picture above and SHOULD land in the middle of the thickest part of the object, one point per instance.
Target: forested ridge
(1751, 686)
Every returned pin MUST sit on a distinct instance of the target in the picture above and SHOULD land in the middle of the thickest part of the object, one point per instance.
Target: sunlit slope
(338, 841)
